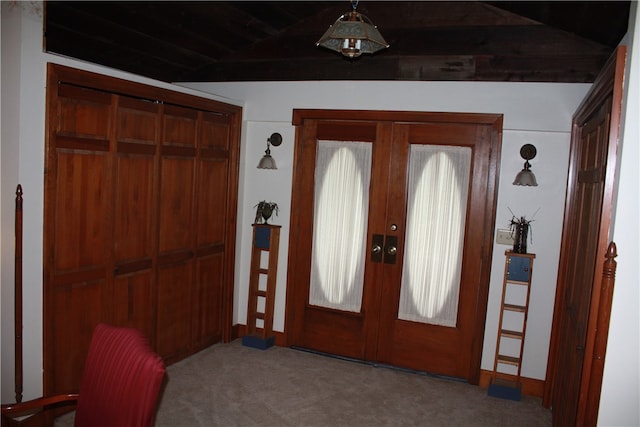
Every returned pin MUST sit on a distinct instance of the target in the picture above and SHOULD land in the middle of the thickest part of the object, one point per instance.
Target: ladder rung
(511, 334)
(260, 316)
(514, 307)
(509, 360)
(506, 380)
(517, 282)
(262, 270)
(260, 293)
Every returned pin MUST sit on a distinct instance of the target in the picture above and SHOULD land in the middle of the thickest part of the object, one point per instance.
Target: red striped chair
(120, 386)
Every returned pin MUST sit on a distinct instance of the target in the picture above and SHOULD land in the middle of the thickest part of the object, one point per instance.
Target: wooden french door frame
(608, 85)
(493, 121)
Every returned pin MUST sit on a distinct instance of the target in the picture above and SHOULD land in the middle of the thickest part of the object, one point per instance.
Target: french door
(391, 237)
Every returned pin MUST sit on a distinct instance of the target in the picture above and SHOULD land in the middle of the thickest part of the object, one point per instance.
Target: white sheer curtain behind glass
(438, 188)
(342, 176)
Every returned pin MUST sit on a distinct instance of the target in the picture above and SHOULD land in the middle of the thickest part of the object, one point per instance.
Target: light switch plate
(504, 237)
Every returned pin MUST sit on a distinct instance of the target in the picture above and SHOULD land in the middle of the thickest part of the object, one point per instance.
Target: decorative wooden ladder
(262, 286)
(518, 270)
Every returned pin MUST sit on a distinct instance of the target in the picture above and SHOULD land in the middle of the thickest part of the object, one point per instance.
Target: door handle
(391, 249)
(376, 247)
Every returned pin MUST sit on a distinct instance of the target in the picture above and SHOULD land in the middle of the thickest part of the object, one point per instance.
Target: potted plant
(264, 211)
(519, 230)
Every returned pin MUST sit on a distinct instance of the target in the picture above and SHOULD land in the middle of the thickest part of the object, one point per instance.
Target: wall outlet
(504, 237)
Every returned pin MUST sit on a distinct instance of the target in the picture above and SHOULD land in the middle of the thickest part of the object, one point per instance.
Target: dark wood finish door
(581, 266)
(420, 345)
(78, 272)
(375, 332)
(134, 224)
(140, 208)
(585, 240)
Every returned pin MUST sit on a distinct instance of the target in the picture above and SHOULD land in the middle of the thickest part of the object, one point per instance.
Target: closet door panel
(136, 133)
(83, 112)
(77, 228)
(174, 300)
(134, 300)
(134, 238)
(176, 236)
(212, 203)
(211, 228)
(176, 204)
(81, 228)
(133, 215)
(179, 126)
(137, 121)
(78, 307)
(215, 131)
(207, 298)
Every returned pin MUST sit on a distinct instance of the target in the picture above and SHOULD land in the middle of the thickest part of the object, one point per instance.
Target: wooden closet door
(140, 218)
(213, 177)
(78, 212)
(176, 236)
(134, 202)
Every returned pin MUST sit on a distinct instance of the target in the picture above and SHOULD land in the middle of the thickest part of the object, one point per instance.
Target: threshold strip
(380, 365)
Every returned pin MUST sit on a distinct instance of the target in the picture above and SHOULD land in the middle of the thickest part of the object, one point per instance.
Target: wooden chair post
(18, 295)
(602, 334)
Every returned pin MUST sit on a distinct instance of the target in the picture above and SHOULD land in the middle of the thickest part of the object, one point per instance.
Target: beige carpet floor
(234, 385)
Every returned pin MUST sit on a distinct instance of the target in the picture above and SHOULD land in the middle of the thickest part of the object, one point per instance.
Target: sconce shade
(525, 176)
(351, 35)
(267, 162)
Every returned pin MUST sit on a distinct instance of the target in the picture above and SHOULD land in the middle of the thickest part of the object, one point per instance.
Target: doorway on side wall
(574, 372)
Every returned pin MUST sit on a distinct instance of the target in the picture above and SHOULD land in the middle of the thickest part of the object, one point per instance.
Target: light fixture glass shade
(526, 177)
(352, 35)
(267, 162)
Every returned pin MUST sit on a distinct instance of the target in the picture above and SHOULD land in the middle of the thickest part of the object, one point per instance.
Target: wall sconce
(525, 176)
(268, 162)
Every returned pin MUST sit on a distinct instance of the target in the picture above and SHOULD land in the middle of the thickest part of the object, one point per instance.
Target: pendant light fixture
(352, 35)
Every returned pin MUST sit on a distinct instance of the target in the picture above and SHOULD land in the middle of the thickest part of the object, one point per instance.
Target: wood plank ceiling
(539, 41)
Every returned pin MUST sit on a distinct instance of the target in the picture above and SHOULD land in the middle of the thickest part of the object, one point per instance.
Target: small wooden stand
(517, 273)
(266, 239)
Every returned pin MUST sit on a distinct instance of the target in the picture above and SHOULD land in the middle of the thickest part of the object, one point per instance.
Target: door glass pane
(341, 202)
(438, 188)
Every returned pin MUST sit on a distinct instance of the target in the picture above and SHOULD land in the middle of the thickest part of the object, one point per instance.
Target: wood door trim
(128, 88)
(299, 115)
(487, 250)
(609, 83)
(493, 121)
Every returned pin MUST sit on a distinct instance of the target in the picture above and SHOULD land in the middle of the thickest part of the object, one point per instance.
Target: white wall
(539, 114)
(534, 113)
(621, 383)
